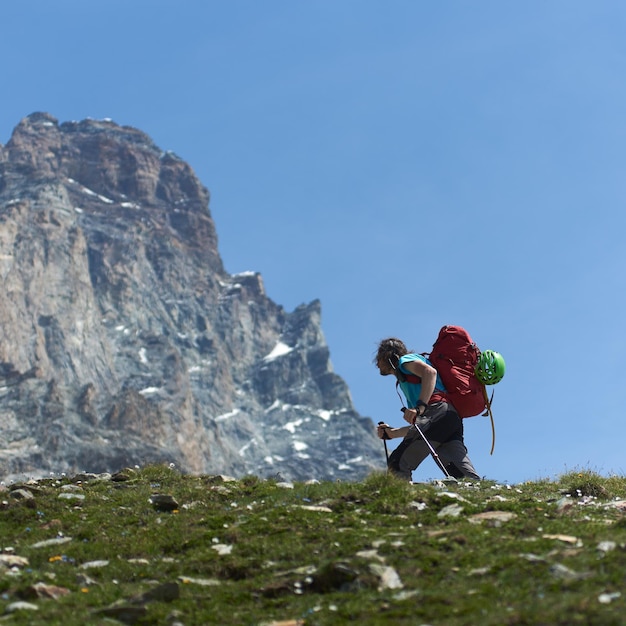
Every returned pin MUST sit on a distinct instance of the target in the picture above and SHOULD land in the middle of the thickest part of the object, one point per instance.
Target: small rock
(42, 590)
(123, 475)
(370, 554)
(564, 505)
(564, 538)
(496, 517)
(607, 598)
(52, 524)
(12, 560)
(21, 606)
(220, 478)
(310, 507)
(533, 558)
(452, 510)
(71, 488)
(452, 495)
(498, 498)
(442, 483)
(277, 588)
(71, 496)
(606, 546)
(123, 613)
(86, 477)
(565, 573)
(21, 494)
(57, 541)
(164, 502)
(203, 582)
(167, 592)
(388, 576)
(333, 577)
(617, 504)
(94, 564)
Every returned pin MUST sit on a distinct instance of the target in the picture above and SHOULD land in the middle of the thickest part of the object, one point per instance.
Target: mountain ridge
(124, 340)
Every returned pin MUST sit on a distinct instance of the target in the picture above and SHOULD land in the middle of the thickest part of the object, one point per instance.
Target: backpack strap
(413, 379)
(399, 395)
(488, 402)
(402, 377)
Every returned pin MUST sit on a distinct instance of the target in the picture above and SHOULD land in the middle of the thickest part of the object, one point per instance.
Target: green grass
(255, 552)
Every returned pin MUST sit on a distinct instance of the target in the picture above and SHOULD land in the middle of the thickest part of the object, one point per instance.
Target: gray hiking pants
(443, 428)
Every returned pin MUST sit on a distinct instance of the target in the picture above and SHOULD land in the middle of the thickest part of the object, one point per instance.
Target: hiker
(428, 408)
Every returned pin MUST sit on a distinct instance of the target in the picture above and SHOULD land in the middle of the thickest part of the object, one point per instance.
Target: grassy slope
(376, 552)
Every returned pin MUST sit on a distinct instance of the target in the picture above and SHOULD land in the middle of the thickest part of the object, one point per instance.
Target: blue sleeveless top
(412, 391)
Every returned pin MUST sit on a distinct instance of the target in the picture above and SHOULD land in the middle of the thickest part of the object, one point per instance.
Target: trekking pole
(433, 453)
(385, 437)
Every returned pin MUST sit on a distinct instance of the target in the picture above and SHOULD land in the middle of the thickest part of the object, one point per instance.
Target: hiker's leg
(454, 456)
(407, 456)
(440, 422)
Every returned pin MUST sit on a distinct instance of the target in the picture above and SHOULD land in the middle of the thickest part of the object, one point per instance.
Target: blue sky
(409, 163)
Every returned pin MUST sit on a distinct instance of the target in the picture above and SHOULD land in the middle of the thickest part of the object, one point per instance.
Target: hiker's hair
(391, 349)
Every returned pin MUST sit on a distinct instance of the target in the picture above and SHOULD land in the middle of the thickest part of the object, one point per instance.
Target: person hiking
(428, 408)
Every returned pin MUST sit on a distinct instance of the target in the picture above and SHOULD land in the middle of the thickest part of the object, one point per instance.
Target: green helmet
(490, 367)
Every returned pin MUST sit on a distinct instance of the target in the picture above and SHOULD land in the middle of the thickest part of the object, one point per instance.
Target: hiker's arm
(391, 433)
(427, 373)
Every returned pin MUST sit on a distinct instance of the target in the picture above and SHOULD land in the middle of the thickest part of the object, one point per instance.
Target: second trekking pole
(385, 437)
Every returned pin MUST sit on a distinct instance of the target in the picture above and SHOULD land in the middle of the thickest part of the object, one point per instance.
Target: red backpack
(454, 356)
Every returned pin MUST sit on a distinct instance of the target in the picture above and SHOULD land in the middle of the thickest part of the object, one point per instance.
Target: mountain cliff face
(124, 341)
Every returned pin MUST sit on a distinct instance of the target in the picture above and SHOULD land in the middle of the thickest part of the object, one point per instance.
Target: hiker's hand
(410, 415)
(382, 431)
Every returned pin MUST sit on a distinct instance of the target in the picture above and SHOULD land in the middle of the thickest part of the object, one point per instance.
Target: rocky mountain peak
(123, 340)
